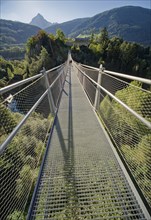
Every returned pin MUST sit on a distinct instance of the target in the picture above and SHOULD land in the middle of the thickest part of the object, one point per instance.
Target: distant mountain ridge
(13, 32)
(67, 27)
(40, 21)
(132, 23)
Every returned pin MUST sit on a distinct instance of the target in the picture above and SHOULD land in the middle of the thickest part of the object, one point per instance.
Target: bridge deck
(81, 177)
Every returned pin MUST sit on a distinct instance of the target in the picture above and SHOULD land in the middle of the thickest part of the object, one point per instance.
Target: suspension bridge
(79, 139)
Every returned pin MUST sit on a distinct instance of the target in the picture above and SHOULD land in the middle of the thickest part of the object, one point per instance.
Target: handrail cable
(114, 77)
(31, 84)
(13, 133)
(14, 85)
(147, 123)
(147, 81)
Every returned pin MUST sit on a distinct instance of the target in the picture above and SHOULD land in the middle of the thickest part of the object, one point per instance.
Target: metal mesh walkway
(82, 177)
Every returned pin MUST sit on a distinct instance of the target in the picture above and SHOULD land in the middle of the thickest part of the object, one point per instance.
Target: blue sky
(60, 10)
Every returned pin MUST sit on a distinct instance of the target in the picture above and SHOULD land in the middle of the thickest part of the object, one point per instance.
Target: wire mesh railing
(124, 107)
(26, 116)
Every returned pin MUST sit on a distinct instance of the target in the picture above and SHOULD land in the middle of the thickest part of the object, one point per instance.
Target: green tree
(103, 38)
(16, 215)
(45, 58)
(131, 136)
(24, 182)
(7, 120)
(113, 53)
(60, 35)
(92, 38)
(5, 68)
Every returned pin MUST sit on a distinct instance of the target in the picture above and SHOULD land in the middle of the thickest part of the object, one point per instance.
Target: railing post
(50, 98)
(97, 94)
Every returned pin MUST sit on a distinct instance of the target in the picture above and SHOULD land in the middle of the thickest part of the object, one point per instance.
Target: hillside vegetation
(42, 50)
(67, 27)
(115, 54)
(13, 32)
(130, 23)
(49, 50)
(21, 160)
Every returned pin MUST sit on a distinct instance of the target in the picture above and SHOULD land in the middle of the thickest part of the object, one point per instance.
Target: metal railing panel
(15, 105)
(148, 98)
(26, 118)
(20, 159)
(125, 110)
(81, 177)
(122, 75)
(20, 83)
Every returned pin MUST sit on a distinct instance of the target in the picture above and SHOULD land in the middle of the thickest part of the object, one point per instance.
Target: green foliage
(83, 54)
(67, 27)
(128, 58)
(103, 38)
(106, 107)
(129, 22)
(22, 155)
(137, 158)
(11, 71)
(131, 136)
(6, 69)
(13, 53)
(24, 181)
(136, 99)
(116, 55)
(35, 43)
(60, 35)
(21, 158)
(7, 121)
(13, 32)
(42, 50)
(16, 215)
(45, 59)
(45, 50)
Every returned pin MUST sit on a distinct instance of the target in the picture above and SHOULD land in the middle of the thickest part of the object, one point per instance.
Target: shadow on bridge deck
(81, 176)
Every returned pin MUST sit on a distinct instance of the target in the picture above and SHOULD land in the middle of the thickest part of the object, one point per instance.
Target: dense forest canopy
(50, 50)
(115, 54)
(42, 50)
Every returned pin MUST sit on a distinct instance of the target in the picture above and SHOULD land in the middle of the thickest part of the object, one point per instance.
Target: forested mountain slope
(13, 32)
(129, 22)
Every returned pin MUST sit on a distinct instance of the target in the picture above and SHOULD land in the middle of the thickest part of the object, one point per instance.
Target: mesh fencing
(131, 136)
(89, 88)
(14, 102)
(57, 87)
(20, 160)
(131, 93)
(81, 177)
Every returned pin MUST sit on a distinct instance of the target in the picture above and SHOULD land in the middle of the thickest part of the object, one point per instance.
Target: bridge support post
(50, 98)
(97, 94)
